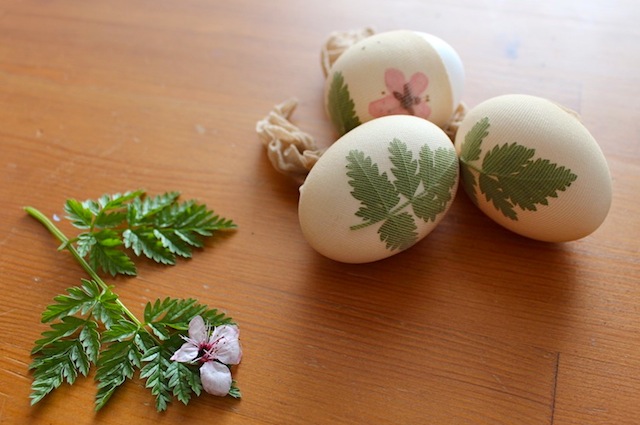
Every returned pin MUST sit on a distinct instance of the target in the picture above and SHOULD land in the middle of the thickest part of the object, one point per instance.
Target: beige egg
(394, 73)
(379, 189)
(531, 166)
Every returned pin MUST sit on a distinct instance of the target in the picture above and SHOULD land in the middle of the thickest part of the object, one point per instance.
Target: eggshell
(397, 72)
(531, 166)
(379, 189)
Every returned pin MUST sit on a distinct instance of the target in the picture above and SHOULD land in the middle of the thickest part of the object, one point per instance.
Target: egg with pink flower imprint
(394, 73)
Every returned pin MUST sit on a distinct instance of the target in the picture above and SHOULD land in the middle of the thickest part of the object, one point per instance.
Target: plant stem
(66, 244)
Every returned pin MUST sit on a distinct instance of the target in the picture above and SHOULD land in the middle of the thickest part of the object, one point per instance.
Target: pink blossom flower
(215, 350)
(404, 98)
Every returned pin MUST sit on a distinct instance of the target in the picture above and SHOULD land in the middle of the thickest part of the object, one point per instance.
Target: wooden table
(474, 325)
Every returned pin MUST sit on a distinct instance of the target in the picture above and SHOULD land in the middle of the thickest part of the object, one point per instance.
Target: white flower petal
(216, 378)
(186, 353)
(197, 330)
(226, 345)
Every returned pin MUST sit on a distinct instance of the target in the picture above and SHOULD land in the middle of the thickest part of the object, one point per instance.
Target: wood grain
(474, 325)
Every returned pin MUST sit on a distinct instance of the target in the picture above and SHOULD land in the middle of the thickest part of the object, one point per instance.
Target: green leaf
(399, 231)
(105, 254)
(117, 200)
(473, 139)
(118, 362)
(165, 230)
(514, 178)
(108, 310)
(168, 315)
(374, 190)
(157, 361)
(93, 206)
(427, 184)
(470, 152)
(183, 380)
(72, 344)
(109, 220)
(404, 169)
(216, 318)
(143, 210)
(80, 216)
(494, 193)
(144, 241)
(61, 361)
(340, 105)
(90, 339)
(158, 227)
(168, 319)
(192, 219)
(60, 330)
(509, 176)
(438, 173)
(171, 310)
(234, 391)
(78, 299)
(63, 353)
(173, 242)
(121, 330)
(85, 243)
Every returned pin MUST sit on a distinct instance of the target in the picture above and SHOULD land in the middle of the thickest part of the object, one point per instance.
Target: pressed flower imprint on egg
(422, 189)
(404, 97)
(508, 176)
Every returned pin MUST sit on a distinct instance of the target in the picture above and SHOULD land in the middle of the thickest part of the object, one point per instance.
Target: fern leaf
(106, 255)
(143, 210)
(472, 141)
(65, 352)
(154, 371)
(85, 243)
(144, 241)
(375, 192)
(80, 216)
(158, 227)
(511, 177)
(60, 330)
(59, 362)
(234, 391)
(494, 193)
(438, 173)
(174, 243)
(109, 220)
(166, 316)
(404, 169)
(399, 231)
(78, 299)
(183, 380)
(119, 360)
(340, 105)
(470, 152)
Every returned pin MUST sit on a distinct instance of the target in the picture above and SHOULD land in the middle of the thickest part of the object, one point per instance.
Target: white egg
(397, 72)
(531, 166)
(379, 189)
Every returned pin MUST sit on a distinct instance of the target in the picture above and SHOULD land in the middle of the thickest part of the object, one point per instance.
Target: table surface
(474, 325)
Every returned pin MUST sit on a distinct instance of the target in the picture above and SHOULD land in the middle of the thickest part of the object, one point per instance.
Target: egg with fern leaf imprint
(394, 73)
(531, 166)
(379, 189)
